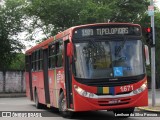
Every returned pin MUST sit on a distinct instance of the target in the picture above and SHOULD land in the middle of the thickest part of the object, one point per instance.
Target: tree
(157, 38)
(129, 10)
(18, 63)
(57, 15)
(146, 22)
(11, 23)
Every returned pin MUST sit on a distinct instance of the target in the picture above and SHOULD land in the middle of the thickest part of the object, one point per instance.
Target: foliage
(157, 38)
(62, 14)
(146, 22)
(11, 15)
(18, 63)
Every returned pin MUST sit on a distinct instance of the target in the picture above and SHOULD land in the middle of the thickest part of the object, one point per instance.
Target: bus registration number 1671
(126, 88)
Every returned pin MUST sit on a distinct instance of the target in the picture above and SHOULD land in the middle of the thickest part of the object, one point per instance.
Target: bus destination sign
(103, 31)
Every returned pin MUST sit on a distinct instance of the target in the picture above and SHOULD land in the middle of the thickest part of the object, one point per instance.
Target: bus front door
(68, 78)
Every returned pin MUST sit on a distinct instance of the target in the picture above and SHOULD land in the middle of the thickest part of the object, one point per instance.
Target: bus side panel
(60, 79)
(38, 83)
(27, 85)
(56, 82)
(51, 87)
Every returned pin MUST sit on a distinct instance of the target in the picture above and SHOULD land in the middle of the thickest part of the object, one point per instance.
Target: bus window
(34, 61)
(59, 54)
(51, 58)
(39, 59)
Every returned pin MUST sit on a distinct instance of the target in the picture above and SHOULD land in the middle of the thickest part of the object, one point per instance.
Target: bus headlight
(83, 92)
(141, 89)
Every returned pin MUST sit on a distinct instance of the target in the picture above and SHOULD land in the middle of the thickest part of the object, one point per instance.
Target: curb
(148, 109)
(12, 95)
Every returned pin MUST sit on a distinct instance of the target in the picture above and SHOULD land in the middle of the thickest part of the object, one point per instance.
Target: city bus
(88, 68)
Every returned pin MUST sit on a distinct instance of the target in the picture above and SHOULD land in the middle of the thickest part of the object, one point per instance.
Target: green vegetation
(18, 63)
(62, 14)
(11, 15)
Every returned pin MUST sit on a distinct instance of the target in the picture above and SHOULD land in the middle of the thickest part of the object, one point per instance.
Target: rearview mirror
(147, 54)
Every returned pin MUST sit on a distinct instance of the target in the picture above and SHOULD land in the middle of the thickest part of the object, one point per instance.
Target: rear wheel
(123, 112)
(63, 107)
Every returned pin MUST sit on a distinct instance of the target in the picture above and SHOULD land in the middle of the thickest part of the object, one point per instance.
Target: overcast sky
(158, 4)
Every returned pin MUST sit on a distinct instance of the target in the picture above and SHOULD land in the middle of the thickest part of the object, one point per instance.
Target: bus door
(45, 72)
(68, 77)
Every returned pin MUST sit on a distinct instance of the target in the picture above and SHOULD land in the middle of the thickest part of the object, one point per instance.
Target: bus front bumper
(82, 103)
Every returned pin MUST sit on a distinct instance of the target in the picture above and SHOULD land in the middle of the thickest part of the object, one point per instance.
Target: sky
(157, 3)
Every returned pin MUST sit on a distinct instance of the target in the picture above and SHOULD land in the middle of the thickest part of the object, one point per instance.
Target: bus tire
(38, 105)
(63, 108)
(123, 112)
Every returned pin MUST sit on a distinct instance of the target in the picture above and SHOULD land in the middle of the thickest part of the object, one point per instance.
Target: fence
(12, 81)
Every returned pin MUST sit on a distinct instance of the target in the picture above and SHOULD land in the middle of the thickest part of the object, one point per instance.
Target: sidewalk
(156, 108)
(11, 95)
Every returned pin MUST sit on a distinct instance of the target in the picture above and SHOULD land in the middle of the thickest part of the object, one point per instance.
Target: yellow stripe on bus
(105, 90)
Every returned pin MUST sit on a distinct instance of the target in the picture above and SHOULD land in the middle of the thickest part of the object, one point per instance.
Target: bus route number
(126, 88)
(87, 32)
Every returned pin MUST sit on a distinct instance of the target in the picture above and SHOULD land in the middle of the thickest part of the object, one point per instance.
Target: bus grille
(110, 83)
(113, 102)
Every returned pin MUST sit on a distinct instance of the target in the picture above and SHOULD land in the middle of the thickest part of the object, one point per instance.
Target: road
(23, 104)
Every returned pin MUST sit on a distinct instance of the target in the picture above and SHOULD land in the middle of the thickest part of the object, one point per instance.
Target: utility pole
(153, 73)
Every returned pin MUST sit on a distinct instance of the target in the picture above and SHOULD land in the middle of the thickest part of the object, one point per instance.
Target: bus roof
(60, 35)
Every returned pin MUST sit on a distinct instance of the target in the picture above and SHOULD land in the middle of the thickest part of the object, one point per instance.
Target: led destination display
(104, 31)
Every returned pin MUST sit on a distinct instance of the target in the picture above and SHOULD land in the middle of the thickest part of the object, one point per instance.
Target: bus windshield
(108, 59)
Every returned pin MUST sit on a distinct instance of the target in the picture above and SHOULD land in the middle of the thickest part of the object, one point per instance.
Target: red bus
(89, 67)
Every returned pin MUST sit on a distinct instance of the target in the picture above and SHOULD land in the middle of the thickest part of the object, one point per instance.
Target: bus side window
(33, 63)
(39, 59)
(51, 56)
(36, 61)
(59, 47)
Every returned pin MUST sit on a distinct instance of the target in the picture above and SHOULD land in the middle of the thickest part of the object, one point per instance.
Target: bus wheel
(63, 108)
(38, 105)
(123, 112)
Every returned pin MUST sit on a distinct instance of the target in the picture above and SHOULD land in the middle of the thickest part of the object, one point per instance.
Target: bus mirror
(69, 49)
(147, 55)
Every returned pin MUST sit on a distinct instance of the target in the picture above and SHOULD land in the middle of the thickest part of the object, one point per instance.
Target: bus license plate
(114, 101)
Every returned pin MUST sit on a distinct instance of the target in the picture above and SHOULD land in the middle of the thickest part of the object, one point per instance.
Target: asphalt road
(25, 106)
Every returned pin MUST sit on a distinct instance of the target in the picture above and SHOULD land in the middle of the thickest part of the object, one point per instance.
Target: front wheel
(63, 107)
(123, 112)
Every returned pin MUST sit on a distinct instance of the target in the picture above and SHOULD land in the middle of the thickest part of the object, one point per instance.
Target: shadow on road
(91, 115)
